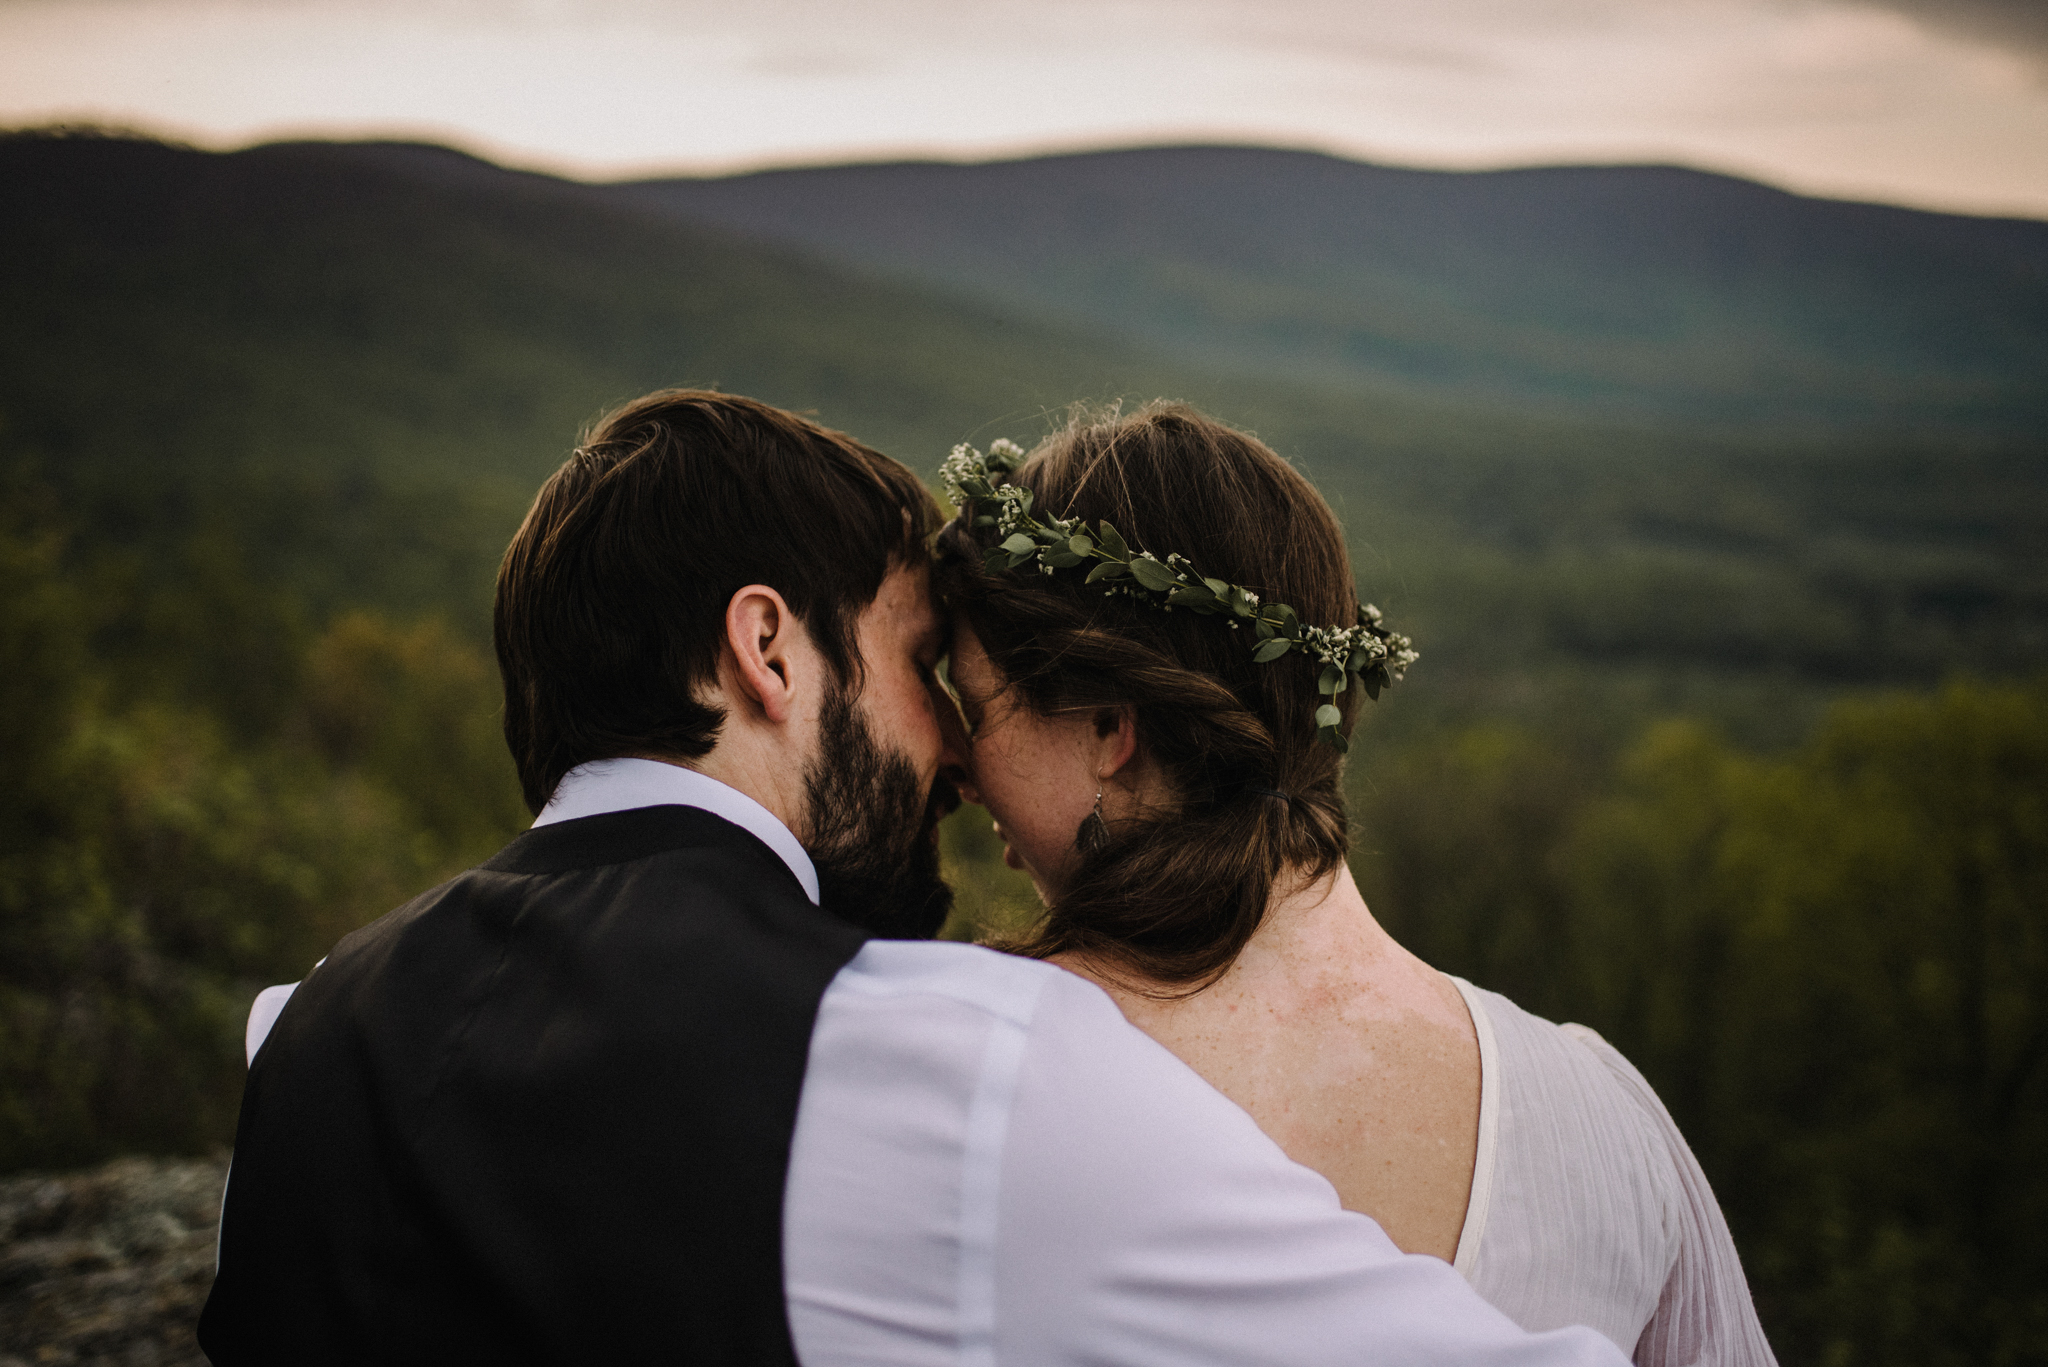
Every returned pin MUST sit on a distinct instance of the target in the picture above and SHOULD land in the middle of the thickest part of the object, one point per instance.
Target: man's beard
(874, 831)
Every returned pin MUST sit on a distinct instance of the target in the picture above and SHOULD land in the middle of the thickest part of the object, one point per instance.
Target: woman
(1161, 754)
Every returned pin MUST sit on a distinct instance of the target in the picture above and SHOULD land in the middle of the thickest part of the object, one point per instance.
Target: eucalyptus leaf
(1019, 557)
(1332, 737)
(1264, 628)
(1062, 559)
(1152, 575)
(1271, 649)
(996, 559)
(1193, 598)
(1328, 715)
(1218, 587)
(1332, 680)
(1018, 543)
(985, 520)
(1112, 540)
(1080, 545)
(1108, 569)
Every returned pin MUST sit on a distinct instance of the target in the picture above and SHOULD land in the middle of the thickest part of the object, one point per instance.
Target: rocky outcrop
(108, 1266)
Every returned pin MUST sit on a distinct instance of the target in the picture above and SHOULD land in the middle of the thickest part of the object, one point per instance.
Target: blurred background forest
(1720, 516)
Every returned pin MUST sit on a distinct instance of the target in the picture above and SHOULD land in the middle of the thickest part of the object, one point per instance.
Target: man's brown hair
(611, 599)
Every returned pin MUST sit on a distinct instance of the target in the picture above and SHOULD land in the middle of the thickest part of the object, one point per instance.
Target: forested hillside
(1653, 291)
(1678, 760)
(314, 328)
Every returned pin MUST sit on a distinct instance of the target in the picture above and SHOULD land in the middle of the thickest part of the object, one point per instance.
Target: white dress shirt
(620, 785)
(992, 1167)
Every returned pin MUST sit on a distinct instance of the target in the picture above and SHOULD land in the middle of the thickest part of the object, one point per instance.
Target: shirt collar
(620, 785)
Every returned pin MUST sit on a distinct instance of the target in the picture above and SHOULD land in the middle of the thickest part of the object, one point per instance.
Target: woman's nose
(953, 745)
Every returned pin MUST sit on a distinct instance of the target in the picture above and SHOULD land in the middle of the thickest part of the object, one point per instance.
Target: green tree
(1457, 849)
(160, 861)
(415, 709)
(1835, 969)
(1901, 928)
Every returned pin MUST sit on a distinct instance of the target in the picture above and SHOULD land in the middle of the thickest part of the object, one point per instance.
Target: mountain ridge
(1657, 293)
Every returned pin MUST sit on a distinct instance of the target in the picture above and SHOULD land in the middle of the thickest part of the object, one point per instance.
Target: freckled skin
(1036, 775)
(1356, 1057)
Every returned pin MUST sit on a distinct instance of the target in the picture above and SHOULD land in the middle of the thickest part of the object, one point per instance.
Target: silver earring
(1094, 833)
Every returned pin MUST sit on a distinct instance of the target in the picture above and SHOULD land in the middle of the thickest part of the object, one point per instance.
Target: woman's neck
(1317, 937)
(1315, 926)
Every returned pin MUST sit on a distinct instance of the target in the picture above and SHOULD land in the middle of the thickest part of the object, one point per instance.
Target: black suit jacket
(539, 1114)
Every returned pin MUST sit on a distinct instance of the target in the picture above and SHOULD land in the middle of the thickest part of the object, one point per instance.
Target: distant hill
(417, 307)
(324, 328)
(1644, 291)
(330, 375)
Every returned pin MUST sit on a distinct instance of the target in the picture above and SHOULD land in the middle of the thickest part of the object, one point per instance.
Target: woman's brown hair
(1174, 895)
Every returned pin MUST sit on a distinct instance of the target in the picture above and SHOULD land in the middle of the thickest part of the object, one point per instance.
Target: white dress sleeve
(991, 1166)
(1704, 1315)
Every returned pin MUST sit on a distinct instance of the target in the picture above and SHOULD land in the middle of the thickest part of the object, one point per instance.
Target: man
(643, 1085)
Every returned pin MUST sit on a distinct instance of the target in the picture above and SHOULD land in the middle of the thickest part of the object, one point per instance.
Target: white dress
(1588, 1208)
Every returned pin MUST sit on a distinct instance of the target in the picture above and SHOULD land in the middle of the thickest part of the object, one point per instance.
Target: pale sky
(1939, 103)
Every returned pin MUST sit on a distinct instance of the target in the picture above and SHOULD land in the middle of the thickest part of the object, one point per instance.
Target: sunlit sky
(1940, 103)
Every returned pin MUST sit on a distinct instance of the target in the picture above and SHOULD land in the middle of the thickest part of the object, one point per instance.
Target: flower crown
(1377, 657)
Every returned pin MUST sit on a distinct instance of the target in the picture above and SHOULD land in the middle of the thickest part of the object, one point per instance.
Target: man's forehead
(907, 601)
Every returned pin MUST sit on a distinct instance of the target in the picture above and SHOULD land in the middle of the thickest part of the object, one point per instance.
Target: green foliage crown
(1367, 651)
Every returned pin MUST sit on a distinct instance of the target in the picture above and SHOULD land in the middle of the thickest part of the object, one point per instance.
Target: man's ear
(1116, 739)
(761, 636)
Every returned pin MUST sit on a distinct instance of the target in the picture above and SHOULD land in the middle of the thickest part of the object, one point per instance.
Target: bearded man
(678, 1074)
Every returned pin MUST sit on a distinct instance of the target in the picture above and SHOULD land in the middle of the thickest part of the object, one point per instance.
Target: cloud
(2021, 25)
(1883, 99)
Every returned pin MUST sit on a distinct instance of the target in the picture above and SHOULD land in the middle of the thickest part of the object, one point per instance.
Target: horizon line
(515, 161)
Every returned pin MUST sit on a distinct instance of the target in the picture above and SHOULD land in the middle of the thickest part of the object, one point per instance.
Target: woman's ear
(1116, 740)
(760, 639)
